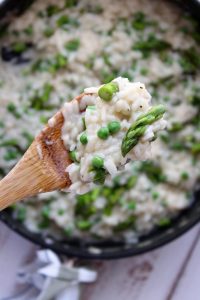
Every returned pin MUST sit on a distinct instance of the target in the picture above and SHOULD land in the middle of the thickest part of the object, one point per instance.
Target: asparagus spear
(138, 128)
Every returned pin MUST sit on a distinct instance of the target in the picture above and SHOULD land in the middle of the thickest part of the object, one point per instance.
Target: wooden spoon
(41, 169)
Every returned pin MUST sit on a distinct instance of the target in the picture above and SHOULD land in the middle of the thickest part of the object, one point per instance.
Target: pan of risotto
(49, 52)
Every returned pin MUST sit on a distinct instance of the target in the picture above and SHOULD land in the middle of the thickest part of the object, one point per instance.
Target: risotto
(105, 128)
(57, 48)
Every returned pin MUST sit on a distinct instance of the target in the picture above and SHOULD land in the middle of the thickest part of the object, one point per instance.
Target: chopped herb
(44, 223)
(64, 21)
(49, 31)
(131, 182)
(131, 205)
(140, 21)
(176, 127)
(52, 10)
(28, 136)
(144, 71)
(40, 98)
(43, 119)
(52, 65)
(153, 171)
(19, 47)
(164, 222)
(190, 60)
(129, 223)
(83, 225)
(72, 45)
(178, 146)
(195, 148)
(11, 142)
(28, 30)
(71, 3)
(100, 176)
(184, 175)
(45, 212)
(61, 212)
(151, 44)
(13, 110)
(11, 154)
(155, 195)
(93, 9)
(21, 213)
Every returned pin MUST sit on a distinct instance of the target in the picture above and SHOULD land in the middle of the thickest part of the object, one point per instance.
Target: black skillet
(107, 249)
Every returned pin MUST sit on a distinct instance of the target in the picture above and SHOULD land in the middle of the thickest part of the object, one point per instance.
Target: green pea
(107, 91)
(103, 133)
(72, 155)
(114, 127)
(83, 139)
(97, 162)
(84, 225)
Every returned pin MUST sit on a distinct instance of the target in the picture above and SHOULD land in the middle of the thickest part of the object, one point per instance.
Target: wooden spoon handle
(32, 175)
(41, 169)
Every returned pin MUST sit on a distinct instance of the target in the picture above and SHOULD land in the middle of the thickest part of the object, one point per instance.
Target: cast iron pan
(107, 249)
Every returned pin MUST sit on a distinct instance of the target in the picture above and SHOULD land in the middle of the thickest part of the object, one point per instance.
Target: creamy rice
(99, 138)
(65, 48)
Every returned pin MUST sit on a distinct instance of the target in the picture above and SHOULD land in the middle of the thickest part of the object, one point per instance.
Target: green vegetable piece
(138, 128)
(61, 212)
(11, 154)
(21, 213)
(129, 223)
(184, 175)
(45, 211)
(153, 171)
(83, 139)
(71, 3)
(114, 127)
(100, 176)
(131, 182)
(63, 20)
(72, 45)
(176, 127)
(107, 91)
(52, 10)
(195, 148)
(44, 224)
(97, 162)
(28, 30)
(84, 124)
(48, 32)
(13, 110)
(155, 195)
(72, 155)
(131, 205)
(19, 47)
(103, 133)
(152, 43)
(84, 225)
(164, 222)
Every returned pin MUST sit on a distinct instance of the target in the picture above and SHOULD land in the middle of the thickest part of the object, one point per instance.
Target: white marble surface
(172, 272)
